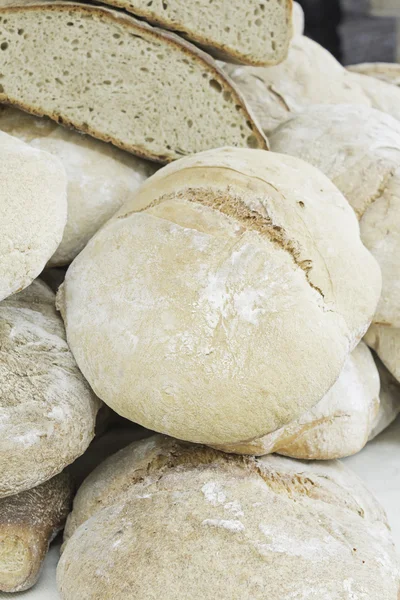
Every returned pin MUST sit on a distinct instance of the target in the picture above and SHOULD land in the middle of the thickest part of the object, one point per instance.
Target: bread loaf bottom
(145, 90)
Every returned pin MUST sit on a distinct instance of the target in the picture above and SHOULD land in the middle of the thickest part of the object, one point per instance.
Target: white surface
(378, 465)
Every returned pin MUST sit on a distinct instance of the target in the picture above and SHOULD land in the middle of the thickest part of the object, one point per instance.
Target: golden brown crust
(28, 523)
(136, 25)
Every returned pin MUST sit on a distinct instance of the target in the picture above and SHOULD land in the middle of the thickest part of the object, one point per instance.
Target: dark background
(346, 29)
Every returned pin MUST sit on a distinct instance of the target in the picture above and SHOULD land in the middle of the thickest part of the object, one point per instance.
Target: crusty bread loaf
(338, 426)
(385, 340)
(382, 95)
(101, 71)
(47, 410)
(389, 396)
(309, 75)
(28, 523)
(100, 176)
(33, 212)
(366, 168)
(182, 310)
(190, 522)
(298, 19)
(255, 32)
(389, 72)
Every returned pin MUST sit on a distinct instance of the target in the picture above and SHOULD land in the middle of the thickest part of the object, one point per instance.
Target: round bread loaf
(309, 75)
(33, 212)
(338, 426)
(223, 300)
(389, 396)
(298, 19)
(47, 410)
(100, 177)
(389, 72)
(383, 95)
(195, 523)
(366, 168)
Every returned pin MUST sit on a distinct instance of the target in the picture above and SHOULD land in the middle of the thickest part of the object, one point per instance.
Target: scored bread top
(143, 89)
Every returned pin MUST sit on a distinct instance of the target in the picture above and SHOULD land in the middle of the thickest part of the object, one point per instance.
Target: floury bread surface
(338, 426)
(365, 166)
(389, 72)
(47, 410)
(100, 177)
(309, 75)
(182, 310)
(28, 523)
(33, 212)
(169, 519)
(250, 32)
(143, 89)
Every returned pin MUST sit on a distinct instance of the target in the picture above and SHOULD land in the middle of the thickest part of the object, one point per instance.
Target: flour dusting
(234, 526)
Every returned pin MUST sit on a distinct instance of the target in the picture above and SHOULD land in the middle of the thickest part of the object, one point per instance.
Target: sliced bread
(143, 89)
(255, 32)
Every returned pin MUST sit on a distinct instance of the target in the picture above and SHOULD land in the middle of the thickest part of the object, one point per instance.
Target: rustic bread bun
(365, 166)
(385, 340)
(389, 72)
(338, 426)
(143, 89)
(298, 19)
(309, 75)
(196, 523)
(33, 212)
(253, 32)
(47, 410)
(100, 177)
(382, 95)
(198, 299)
(389, 396)
(28, 523)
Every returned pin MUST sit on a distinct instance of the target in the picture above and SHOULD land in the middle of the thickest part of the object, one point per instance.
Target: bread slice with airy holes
(251, 32)
(143, 89)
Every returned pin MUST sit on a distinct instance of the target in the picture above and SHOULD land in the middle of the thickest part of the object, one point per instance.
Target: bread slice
(28, 523)
(88, 77)
(254, 32)
(120, 80)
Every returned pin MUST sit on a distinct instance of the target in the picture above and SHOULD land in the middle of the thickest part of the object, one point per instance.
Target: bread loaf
(120, 80)
(385, 340)
(33, 212)
(382, 95)
(192, 522)
(389, 396)
(28, 523)
(309, 75)
(252, 32)
(47, 410)
(100, 177)
(366, 168)
(298, 19)
(338, 426)
(182, 310)
(389, 72)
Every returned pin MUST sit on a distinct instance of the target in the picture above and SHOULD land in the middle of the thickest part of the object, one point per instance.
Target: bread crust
(28, 523)
(135, 25)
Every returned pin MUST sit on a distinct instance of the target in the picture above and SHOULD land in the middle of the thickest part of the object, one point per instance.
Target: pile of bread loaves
(242, 301)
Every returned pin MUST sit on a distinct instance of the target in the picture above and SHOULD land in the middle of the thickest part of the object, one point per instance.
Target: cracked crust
(28, 523)
(217, 266)
(241, 528)
(101, 125)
